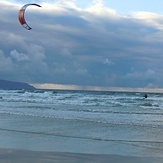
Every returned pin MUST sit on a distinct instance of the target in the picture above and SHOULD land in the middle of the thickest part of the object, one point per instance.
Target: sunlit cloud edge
(51, 86)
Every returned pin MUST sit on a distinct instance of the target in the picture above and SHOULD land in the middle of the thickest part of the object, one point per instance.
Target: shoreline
(26, 156)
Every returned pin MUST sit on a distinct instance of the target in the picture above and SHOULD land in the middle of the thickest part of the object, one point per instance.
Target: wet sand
(24, 156)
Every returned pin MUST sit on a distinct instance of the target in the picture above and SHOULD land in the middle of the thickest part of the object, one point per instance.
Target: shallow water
(82, 122)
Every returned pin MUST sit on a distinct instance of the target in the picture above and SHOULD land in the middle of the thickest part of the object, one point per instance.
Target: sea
(93, 122)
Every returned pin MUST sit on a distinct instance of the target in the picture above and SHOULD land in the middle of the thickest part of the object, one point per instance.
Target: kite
(21, 15)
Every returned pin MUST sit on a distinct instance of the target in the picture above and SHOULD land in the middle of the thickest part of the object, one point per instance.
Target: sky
(83, 43)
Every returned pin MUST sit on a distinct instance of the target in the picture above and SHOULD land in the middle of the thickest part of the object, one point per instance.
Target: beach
(24, 156)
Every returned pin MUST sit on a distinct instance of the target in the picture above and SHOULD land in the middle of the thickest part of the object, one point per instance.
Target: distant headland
(5, 84)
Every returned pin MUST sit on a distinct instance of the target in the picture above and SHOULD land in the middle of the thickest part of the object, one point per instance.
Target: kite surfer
(145, 96)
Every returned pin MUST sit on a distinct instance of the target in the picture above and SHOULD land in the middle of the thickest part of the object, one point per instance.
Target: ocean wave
(150, 123)
(81, 99)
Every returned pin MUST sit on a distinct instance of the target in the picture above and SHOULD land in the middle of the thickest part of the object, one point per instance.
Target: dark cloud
(81, 46)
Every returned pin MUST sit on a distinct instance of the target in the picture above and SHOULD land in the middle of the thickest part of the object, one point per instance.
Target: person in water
(145, 96)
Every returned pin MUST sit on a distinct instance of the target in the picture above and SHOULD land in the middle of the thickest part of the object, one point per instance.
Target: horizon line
(94, 88)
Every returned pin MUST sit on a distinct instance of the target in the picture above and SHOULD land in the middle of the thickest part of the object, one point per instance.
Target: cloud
(98, 8)
(6, 64)
(70, 3)
(91, 46)
(107, 62)
(150, 18)
(19, 56)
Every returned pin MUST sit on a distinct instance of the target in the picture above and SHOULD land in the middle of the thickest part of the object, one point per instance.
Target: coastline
(25, 156)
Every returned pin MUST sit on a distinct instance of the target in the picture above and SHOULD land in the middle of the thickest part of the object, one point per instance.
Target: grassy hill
(4, 84)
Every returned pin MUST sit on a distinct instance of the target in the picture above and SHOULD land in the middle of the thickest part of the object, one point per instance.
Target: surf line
(84, 138)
